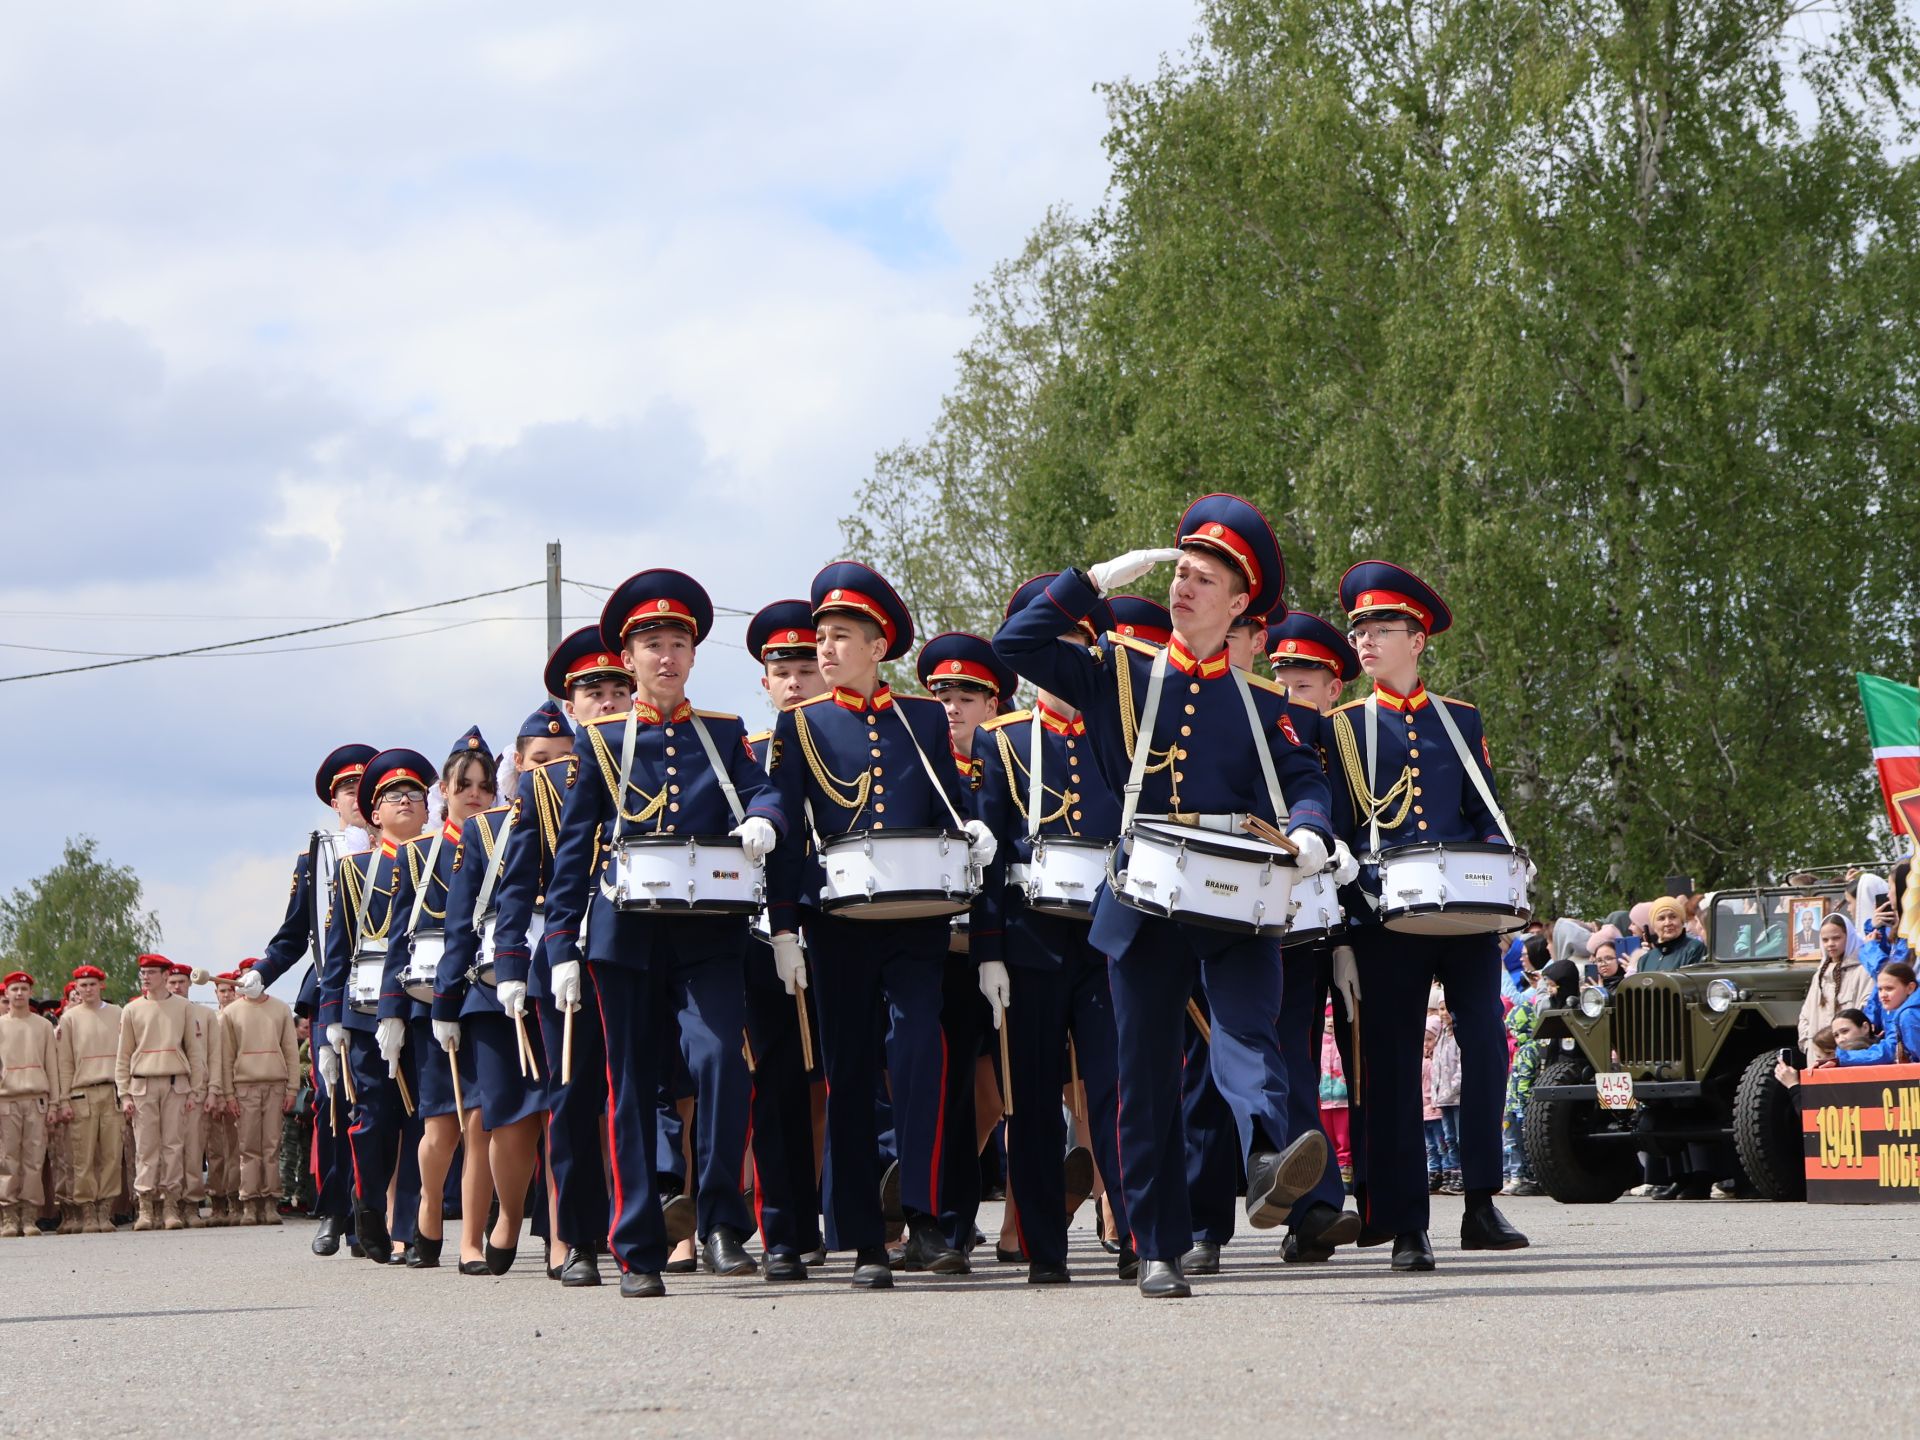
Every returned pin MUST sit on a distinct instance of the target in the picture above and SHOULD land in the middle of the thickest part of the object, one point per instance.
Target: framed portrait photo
(1803, 929)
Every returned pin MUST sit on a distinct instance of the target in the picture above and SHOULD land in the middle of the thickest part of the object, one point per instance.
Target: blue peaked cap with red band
(785, 626)
(1378, 589)
(1142, 619)
(958, 656)
(1239, 534)
(848, 587)
(1300, 638)
(654, 598)
(582, 658)
(394, 767)
(345, 763)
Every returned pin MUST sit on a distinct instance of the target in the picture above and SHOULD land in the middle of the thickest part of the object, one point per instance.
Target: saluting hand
(1125, 569)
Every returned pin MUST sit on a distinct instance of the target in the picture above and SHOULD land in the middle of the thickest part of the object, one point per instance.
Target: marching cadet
(29, 1068)
(1424, 787)
(786, 1184)
(263, 1066)
(861, 759)
(505, 1102)
(663, 768)
(963, 674)
(194, 1158)
(159, 1069)
(86, 1041)
(309, 903)
(223, 1124)
(1214, 727)
(393, 795)
(1045, 983)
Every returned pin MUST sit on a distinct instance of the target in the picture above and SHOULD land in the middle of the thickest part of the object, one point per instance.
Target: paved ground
(1639, 1318)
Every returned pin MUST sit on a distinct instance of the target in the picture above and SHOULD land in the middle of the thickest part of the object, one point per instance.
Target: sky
(324, 308)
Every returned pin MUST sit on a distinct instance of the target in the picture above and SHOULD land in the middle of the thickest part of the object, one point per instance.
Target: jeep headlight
(1720, 996)
(1593, 1002)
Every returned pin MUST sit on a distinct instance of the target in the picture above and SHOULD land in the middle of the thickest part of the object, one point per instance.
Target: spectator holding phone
(1673, 948)
(1900, 1044)
(1608, 972)
(1879, 945)
(1839, 983)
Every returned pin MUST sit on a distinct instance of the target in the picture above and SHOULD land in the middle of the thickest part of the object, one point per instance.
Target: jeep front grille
(1649, 1026)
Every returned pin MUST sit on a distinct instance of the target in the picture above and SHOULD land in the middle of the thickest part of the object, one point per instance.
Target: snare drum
(1317, 914)
(363, 985)
(1063, 876)
(423, 963)
(686, 874)
(896, 874)
(1454, 889)
(1207, 877)
(483, 958)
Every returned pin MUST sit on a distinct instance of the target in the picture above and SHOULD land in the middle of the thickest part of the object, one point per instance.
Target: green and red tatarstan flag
(1893, 729)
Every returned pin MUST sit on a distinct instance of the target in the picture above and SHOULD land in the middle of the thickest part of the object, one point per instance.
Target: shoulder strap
(1281, 815)
(932, 779)
(366, 891)
(495, 863)
(626, 773)
(1036, 792)
(1472, 765)
(1373, 766)
(719, 769)
(1143, 739)
(426, 880)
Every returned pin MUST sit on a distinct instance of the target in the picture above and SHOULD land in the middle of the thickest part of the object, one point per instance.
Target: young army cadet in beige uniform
(85, 1042)
(261, 1054)
(223, 1120)
(27, 1073)
(160, 1068)
(198, 1127)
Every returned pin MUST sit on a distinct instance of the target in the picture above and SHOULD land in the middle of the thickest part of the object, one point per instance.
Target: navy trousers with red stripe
(870, 978)
(1214, 1165)
(378, 1123)
(1303, 1020)
(965, 1021)
(786, 1194)
(576, 1120)
(333, 1156)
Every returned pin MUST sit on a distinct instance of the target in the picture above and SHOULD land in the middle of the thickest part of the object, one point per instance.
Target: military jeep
(1682, 1061)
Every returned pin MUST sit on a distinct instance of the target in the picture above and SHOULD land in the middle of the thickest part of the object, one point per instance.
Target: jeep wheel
(1574, 1168)
(1766, 1132)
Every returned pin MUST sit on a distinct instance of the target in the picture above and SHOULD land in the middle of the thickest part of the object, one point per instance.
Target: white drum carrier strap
(1036, 792)
(932, 779)
(495, 862)
(1472, 764)
(366, 893)
(1142, 738)
(719, 770)
(1373, 769)
(433, 860)
(1281, 815)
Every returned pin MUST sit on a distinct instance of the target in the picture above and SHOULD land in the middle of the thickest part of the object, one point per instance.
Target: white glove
(447, 1032)
(757, 838)
(329, 1061)
(1313, 851)
(1346, 869)
(337, 1037)
(251, 985)
(1533, 871)
(565, 983)
(981, 846)
(790, 962)
(390, 1035)
(513, 997)
(1346, 975)
(1125, 569)
(998, 989)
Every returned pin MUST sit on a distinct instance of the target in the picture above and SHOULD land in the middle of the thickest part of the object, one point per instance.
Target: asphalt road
(1638, 1318)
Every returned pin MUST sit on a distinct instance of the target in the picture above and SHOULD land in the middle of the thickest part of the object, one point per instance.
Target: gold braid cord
(354, 883)
(654, 809)
(423, 883)
(1014, 786)
(1130, 725)
(1369, 810)
(831, 785)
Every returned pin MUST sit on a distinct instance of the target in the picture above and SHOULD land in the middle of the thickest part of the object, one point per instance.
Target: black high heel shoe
(499, 1259)
(476, 1267)
(426, 1253)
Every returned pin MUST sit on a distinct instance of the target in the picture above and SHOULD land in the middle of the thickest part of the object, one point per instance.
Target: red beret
(153, 962)
(18, 977)
(179, 969)
(249, 963)
(89, 972)
(231, 976)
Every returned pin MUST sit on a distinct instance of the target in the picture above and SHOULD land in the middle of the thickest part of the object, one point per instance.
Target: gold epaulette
(1261, 682)
(617, 716)
(716, 715)
(810, 700)
(1134, 643)
(1348, 705)
(1012, 717)
(1448, 699)
(758, 736)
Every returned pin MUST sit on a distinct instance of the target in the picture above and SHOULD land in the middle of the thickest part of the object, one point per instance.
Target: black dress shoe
(641, 1285)
(1129, 1266)
(681, 1216)
(1202, 1259)
(1112, 1247)
(1006, 1256)
(1277, 1178)
(1325, 1227)
(1042, 1273)
(725, 1255)
(1294, 1252)
(927, 1250)
(370, 1226)
(1694, 1187)
(354, 1248)
(326, 1240)
(1371, 1235)
(424, 1253)
(409, 1256)
(499, 1257)
(1162, 1280)
(815, 1256)
(553, 1271)
(784, 1268)
(580, 1268)
(870, 1270)
(1485, 1228)
(475, 1267)
(681, 1267)
(1411, 1252)
(1077, 1172)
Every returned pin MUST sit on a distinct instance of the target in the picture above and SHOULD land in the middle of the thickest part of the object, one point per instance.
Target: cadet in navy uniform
(858, 759)
(1039, 972)
(1206, 765)
(650, 772)
(969, 680)
(1419, 792)
(393, 794)
(337, 784)
(786, 1189)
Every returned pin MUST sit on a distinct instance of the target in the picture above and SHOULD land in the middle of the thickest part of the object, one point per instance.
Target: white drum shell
(1176, 872)
(690, 875)
(423, 964)
(363, 984)
(1065, 874)
(1454, 890)
(1317, 914)
(903, 875)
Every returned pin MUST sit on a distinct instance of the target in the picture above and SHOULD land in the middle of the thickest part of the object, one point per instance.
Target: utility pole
(553, 596)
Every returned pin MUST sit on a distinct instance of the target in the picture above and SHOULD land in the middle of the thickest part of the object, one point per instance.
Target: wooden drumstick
(1073, 1079)
(806, 1030)
(533, 1065)
(346, 1078)
(1006, 1069)
(1353, 1080)
(746, 1051)
(333, 1108)
(1199, 1021)
(520, 1045)
(1262, 830)
(566, 1047)
(459, 1100)
(406, 1097)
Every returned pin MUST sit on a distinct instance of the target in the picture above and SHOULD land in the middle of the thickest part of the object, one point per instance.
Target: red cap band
(663, 611)
(853, 600)
(1370, 600)
(1227, 541)
(967, 670)
(1305, 652)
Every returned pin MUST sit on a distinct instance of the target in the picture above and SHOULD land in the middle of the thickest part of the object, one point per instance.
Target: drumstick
(566, 1047)
(533, 1065)
(1355, 1079)
(1073, 1074)
(1199, 1022)
(333, 1109)
(406, 1098)
(1006, 1069)
(520, 1045)
(746, 1051)
(806, 1030)
(459, 1100)
(346, 1077)
(1261, 830)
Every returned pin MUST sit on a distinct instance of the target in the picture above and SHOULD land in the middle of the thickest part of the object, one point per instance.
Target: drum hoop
(1199, 842)
(667, 842)
(1438, 847)
(849, 837)
(1071, 843)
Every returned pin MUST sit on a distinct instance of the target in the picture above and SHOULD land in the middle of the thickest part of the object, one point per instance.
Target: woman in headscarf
(1673, 948)
(1840, 982)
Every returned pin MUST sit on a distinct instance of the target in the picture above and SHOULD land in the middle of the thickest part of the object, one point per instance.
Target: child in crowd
(1333, 1102)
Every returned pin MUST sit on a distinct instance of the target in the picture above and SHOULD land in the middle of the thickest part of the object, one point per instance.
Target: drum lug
(870, 881)
(1443, 892)
(866, 848)
(1180, 855)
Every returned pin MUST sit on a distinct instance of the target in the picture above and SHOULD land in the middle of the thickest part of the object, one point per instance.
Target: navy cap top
(966, 659)
(1142, 619)
(1247, 620)
(549, 719)
(654, 598)
(856, 589)
(1239, 534)
(473, 743)
(1098, 622)
(345, 763)
(781, 629)
(582, 658)
(1376, 589)
(394, 767)
(1305, 639)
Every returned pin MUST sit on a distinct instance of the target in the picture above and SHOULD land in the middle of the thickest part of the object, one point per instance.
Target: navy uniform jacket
(394, 1001)
(1201, 756)
(521, 892)
(453, 994)
(872, 780)
(672, 789)
(1077, 801)
(381, 866)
